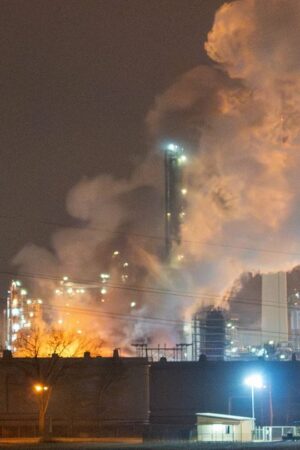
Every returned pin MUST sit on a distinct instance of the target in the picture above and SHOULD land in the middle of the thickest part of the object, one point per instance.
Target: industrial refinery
(150, 251)
(21, 313)
(211, 331)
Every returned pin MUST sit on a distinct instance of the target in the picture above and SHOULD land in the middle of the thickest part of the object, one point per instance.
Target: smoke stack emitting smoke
(240, 119)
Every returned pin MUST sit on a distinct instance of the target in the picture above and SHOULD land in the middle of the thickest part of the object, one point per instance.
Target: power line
(148, 236)
(144, 289)
(167, 322)
(147, 290)
(117, 316)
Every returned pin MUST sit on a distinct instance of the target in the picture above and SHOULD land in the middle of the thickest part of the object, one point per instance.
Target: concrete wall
(90, 395)
(86, 400)
(180, 390)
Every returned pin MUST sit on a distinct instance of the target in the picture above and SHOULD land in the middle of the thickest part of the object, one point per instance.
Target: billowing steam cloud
(240, 120)
(107, 211)
(243, 117)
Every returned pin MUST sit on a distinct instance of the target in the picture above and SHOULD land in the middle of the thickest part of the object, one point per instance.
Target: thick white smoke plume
(243, 117)
(239, 118)
(107, 212)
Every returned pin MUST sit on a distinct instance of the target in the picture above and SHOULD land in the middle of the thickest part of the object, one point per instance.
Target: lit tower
(294, 320)
(14, 312)
(274, 309)
(174, 196)
(215, 335)
(21, 313)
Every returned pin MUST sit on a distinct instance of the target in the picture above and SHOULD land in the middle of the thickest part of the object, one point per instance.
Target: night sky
(77, 80)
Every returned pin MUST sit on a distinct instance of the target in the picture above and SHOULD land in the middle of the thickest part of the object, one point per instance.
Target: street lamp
(43, 393)
(254, 381)
(40, 388)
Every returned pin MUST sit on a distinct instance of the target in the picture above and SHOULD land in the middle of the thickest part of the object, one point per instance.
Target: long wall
(90, 395)
(128, 396)
(178, 390)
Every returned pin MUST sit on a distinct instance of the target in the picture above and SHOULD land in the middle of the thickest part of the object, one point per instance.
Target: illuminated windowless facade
(274, 308)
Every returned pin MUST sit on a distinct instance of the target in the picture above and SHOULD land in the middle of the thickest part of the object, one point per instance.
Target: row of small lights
(17, 311)
(104, 279)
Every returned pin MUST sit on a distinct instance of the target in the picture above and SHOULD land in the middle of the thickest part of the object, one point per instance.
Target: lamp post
(43, 396)
(254, 381)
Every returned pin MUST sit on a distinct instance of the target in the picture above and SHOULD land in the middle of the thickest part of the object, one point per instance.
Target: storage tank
(214, 332)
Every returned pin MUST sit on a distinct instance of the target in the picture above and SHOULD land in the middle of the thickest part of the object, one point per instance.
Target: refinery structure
(211, 332)
(151, 274)
(21, 313)
(175, 192)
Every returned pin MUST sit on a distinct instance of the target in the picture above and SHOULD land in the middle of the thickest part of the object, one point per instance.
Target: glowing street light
(255, 381)
(40, 388)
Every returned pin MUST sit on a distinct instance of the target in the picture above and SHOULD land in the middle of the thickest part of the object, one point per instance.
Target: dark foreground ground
(134, 444)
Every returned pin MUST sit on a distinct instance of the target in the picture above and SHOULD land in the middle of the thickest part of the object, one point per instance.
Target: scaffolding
(177, 353)
(209, 334)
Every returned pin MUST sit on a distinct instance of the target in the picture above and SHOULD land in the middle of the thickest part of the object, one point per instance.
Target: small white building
(223, 427)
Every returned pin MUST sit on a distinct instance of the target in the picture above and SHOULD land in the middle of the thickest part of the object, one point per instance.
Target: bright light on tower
(104, 276)
(172, 147)
(254, 381)
(174, 204)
